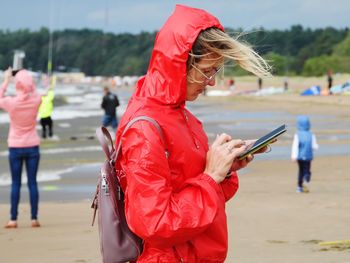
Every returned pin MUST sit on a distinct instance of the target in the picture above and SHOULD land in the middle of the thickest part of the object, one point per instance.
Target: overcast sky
(135, 15)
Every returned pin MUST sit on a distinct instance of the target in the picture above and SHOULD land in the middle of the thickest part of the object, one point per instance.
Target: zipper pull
(104, 184)
(119, 194)
(194, 140)
(186, 117)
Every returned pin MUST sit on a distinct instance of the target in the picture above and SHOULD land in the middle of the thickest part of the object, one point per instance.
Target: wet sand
(268, 221)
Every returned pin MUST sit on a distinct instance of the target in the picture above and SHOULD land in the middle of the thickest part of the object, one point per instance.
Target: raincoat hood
(24, 83)
(22, 110)
(303, 123)
(165, 81)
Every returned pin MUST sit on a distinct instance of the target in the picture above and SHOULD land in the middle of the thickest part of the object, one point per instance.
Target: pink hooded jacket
(23, 109)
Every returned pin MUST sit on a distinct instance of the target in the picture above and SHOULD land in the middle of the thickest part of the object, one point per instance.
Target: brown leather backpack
(117, 242)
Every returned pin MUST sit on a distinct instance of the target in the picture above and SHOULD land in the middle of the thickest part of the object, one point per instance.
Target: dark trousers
(110, 120)
(30, 156)
(46, 123)
(304, 172)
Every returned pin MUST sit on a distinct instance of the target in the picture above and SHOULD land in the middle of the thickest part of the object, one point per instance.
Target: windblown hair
(213, 41)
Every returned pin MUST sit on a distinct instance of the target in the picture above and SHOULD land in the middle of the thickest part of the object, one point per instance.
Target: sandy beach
(268, 221)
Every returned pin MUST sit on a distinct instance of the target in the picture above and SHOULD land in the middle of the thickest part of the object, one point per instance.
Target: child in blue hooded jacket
(304, 143)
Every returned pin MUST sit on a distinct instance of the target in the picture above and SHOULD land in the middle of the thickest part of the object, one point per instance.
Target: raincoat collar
(165, 82)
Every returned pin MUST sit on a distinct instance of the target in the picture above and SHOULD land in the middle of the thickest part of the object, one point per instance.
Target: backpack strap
(142, 118)
(105, 138)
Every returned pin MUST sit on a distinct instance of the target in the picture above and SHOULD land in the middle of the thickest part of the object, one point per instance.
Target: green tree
(98, 53)
(278, 62)
(343, 48)
(318, 66)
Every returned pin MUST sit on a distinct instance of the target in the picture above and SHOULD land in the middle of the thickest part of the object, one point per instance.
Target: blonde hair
(213, 41)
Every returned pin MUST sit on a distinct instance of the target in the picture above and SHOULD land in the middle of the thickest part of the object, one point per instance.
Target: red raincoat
(177, 209)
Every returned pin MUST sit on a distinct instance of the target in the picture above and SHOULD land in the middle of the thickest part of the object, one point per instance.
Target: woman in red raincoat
(177, 205)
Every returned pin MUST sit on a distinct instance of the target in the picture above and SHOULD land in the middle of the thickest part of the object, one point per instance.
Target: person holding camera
(23, 139)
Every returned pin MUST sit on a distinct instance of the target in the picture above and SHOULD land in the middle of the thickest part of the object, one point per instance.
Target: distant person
(304, 143)
(23, 140)
(110, 103)
(330, 80)
(285, 84)
(260, 81)
(45, 112)
(231, 84)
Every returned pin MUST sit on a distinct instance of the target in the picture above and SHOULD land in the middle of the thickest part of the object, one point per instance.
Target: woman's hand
(239, 164)
(263, 149)
(221, 155)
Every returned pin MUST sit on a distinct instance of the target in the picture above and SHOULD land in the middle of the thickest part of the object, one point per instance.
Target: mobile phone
(263, 141)
(15, 71)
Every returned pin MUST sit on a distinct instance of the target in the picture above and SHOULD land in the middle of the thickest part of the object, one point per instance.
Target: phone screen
(263, 141)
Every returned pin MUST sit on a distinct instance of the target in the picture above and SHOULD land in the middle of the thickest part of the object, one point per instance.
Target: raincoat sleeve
(104, 102)
(154, 211)
(3, 89)
(314, 142)
(5, 101)
(50, 95)
(295, 147)
(230, 186)
(116, 101)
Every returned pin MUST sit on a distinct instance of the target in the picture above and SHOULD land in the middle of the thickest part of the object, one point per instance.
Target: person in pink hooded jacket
(23, 139)
(177, 204)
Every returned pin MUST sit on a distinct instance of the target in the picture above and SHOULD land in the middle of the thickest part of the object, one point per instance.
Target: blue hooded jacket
(305, 139)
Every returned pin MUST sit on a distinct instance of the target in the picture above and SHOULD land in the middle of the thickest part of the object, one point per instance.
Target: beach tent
(345, 88)
(269, 91)
(217, 93)
(313, 90)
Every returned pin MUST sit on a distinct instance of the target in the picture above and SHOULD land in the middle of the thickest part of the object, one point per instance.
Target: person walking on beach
(23, 140)
(330, 80)
(285, 84)
(45, 112)
(304, 142)
(260, 81)
(110, 103)
(177, 204)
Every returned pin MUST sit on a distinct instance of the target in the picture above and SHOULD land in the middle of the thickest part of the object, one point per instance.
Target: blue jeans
(30, 156)
(110, 120)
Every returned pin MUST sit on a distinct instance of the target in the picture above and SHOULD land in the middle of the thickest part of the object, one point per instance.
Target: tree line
(293, 51)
